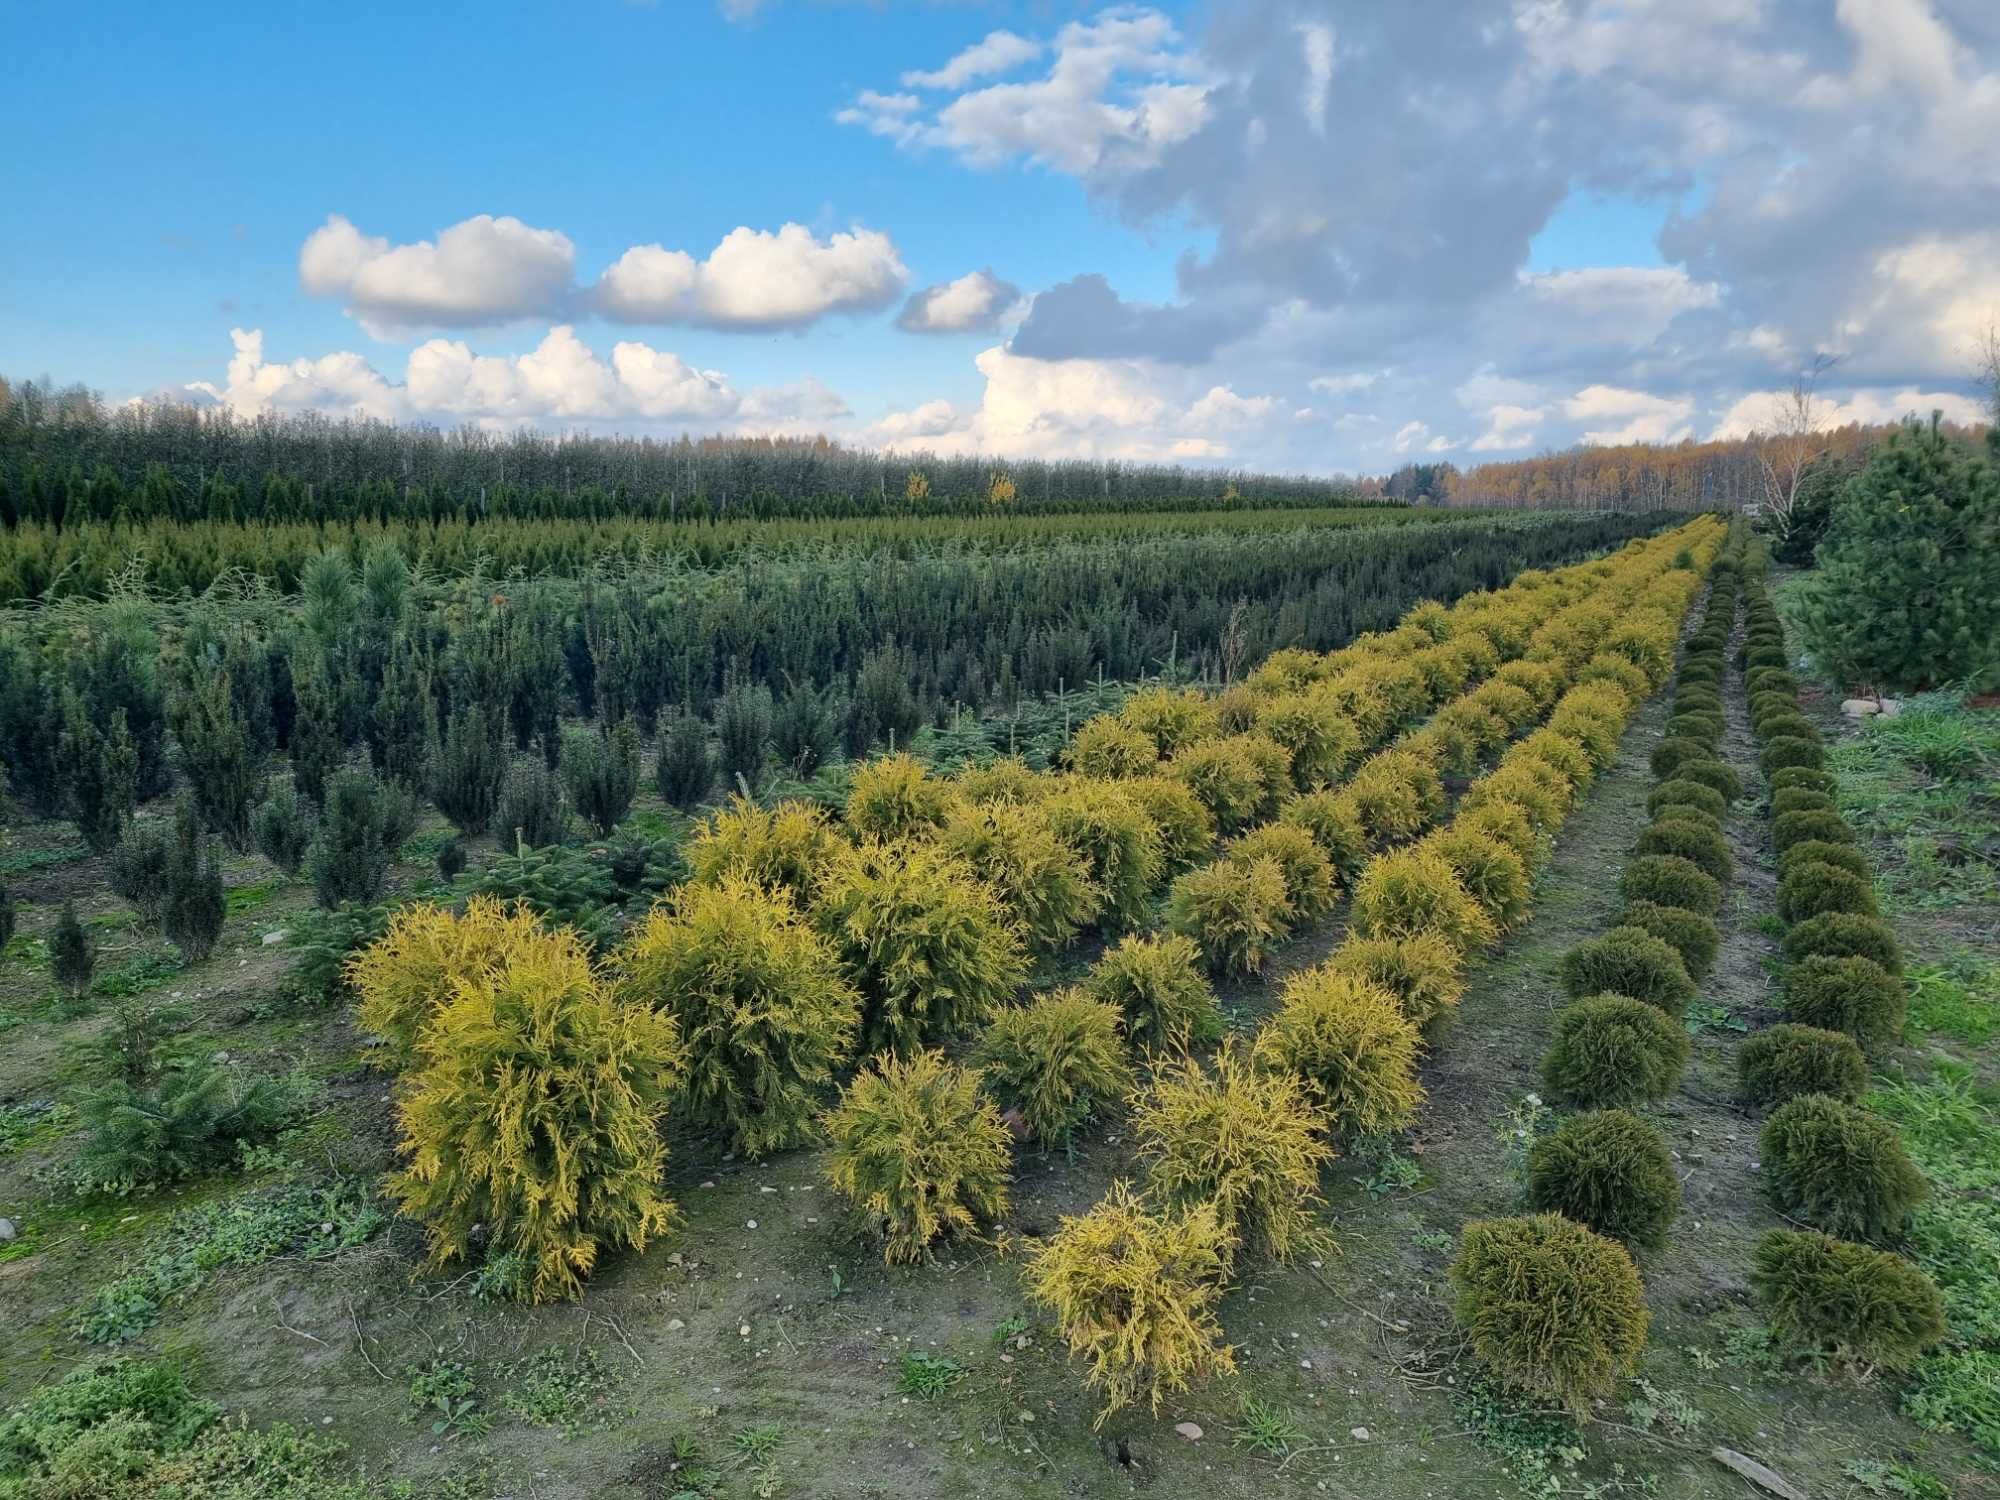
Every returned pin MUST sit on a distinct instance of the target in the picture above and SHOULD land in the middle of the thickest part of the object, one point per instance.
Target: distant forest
(66, 453)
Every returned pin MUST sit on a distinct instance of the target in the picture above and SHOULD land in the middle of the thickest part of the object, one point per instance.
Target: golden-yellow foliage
(1244, 1139)
(1491, 872)
(1421, 971)
(922, 938)
(785, 847)
(1057, 1060)
(1106, 745)
(1042, 882)
(894, 797)
(1394, 794)
(1310, 887)
(1173, 718)
(1005, 780)
(1225, 780)
(919, 1152)
(1110, 831)
(1335, 825)
(1158, 984)
(408, 974)
(1318, 737)
(1349, 1040)
(1416, 890)
(762, 1006)
(1135, 1295)
(1233, 911)
(1186, 831)
(533, 1110)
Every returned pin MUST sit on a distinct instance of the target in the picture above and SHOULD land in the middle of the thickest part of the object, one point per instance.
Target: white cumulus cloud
(479, 272)
(977, 302)
(755, 279)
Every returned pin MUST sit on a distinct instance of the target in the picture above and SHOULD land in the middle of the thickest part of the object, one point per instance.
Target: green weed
(927, 1375)
(1960, 1001)
(563, 1389)
(1263, 1428)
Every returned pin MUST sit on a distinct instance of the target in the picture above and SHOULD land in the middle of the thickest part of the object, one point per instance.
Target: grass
(564, 1389)
(927, 1376)
(1263, 1428)
(1956, 1000)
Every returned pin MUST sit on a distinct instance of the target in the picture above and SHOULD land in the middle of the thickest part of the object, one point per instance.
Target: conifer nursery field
(1262, 1001)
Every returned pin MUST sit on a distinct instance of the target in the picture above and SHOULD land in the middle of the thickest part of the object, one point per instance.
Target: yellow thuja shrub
(1224, 778)
(533, 1112)
(1042, 883)
(1421, 970)
(1286, 670)
(1236, 708)
(408, 974)
(1349, 1040)
(1335, 825)
(1007, 779)
(894, 797)
(1537, 679)
(1524, 786)
(1158, 984)
(1186, 831)
(922, 938)
(1310, 886)
(1445, 671)
(1465, 733)
(763, 1010)
(919, 1152)
(1511, 705)
(1243, 1139)
(1105, 745)
(1055, 1061)
(1320, 740)
(1234, 912)
(784, 847)
(1617, 670)
(1173, 718)
(1491, 872)
(1362, 697)
(1566, 755)
(1115, 838)
(1134, 1294)
(1506, 822)
(1395, 794)
(1416, 890)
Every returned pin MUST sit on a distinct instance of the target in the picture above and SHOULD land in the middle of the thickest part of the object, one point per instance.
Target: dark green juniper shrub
(1711, 773)
(1840, 1168)
(1839, 934)
(1765, 657)
(1678, 793)
(1671, 880)
(1697, 697)
(1804, 777)
(1799, 799)
(1846, 1302)
(1629, 961)
(1771, 680)
(195, 906)
(1788, 750)
(1688, 933)
(8, 916)
(1688, 724)
(1671, 754)
(138, 870)
(1855, 995)
(282, 827)
(685, 770)
(1609, 1171)
(1817, 851)
(350, 857)
(1792, 726)
(1772, 702)
(531, 811)
(1784, 1061)
(1553, 1310)
(602, 774)
(1693, 817)
(1704, 846)
(71, 957)
(468, 767)
(1611, 1049)
(451, 859)
(1792, 828)
(1812, 887)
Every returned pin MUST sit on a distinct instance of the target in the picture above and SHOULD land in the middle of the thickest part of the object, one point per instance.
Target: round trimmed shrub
(1770, 680)
(1689, 724)
(1321, 740)
(1839, 1168)
(1055, 1061)
(1784, 1061)
(1802, 776)
(1703, 846)
(1772, 702)
(1505, 822)
(784, 847)
(1629, 961)
(895, 797)
(1839, 934)
(1420, 970)
(1553, 1310)
(1810, 888)
(1226, 780)
(1670, 754)
(1157, 983)
(1847, 1302)
(1115, 839)
(1792, 828)
(1855, 995)
(1799, 799)
(1688, 933)
(1706, 822)
(1416, 890)
(1671, 880)
(1526, 786)
(1491, 872)
(1335, 825)
(1793, 726)
(1173, 718)
(1186, 831)
(1040, 881)
(919, 1152)
(1787, 750)
(1612, 1049)
(1759, 657)
(1609, 1171)
(1616, 669)
(1679, 793)
(1711, 773)
(1107, 746)
(1309, 883)
(1697, 698)
(1234, 912)
(1816, 851)
(1241, 1138)
(1349, 1040)
(1394, 795)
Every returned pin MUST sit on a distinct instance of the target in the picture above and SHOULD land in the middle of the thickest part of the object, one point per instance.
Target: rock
(1890, 707)
(1189, 1430)
(1359, 1434)
(1859, 708)
(276, 936)
(7, 1231)
(743, 1330)
(675, 1325)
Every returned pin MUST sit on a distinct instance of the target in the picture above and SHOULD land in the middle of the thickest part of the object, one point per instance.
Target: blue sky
(1277, 233)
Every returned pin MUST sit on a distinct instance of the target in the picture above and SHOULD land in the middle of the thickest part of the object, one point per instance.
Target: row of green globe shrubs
(1827, 1162)
(1552, 1300)
(801, 948)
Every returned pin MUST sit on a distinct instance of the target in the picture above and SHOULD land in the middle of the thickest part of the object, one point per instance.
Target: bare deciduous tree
(1787, 453)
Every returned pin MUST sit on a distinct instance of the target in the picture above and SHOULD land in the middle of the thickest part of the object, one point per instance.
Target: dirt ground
(758, 1351)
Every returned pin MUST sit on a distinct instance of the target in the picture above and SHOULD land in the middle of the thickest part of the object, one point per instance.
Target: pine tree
(1908, 590)
(468, 766)
(101, 772)
(71, 958)
(602, 773)
(316, 747)
(218, 754)
(350, 858)
(685, 771)
(195, 906)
